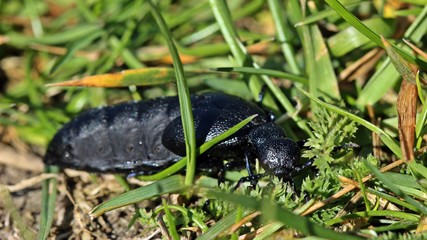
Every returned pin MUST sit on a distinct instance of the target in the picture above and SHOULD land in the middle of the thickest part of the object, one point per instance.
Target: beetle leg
(270, 115)
(221, 175)
(261, 94)
(253, 179)
(232, 165)
(205, 207)
(248, 163)
(131, 175)
(307, 164)
(222, 171)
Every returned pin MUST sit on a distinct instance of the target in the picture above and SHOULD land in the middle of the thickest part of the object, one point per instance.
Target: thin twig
(26, 183)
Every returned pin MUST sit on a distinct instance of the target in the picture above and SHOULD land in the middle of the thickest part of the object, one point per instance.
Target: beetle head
(277, 154)
(279, 157)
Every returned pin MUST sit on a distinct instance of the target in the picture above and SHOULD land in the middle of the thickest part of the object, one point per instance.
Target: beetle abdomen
(121, 138)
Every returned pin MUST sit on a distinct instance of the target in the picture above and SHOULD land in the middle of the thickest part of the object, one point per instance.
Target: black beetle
(142, 138)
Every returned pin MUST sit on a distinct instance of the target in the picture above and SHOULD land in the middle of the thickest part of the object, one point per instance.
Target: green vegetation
(335, 72)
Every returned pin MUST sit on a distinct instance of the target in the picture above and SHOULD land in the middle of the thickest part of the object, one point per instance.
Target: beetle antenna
(248, 167)
(261, 94)
(299, 169)
(301, 144)
(270, 115)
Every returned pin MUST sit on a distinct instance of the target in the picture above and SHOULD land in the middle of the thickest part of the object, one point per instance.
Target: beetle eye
(157, 148)
(129, 148)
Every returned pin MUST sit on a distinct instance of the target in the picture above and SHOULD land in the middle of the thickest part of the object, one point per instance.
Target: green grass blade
(183, 95)
(49, 193)
(396, 190)
(322, 78)
(363, 191)
(382, 80)
(222, 15)
(74, 47)
(272, 228)
(374, 37)
(419, 88)
(391, 144)
(419, 2)
(413, 192)
(350, 39)
(203, 148)
(171, 184)
(418, 28)
(405, 69)
(284, 34)
(419, 169)
(220, 227)
(117, 49)
(387, 76)
(315, 17)
(246, 10)
(132, 77)
(32, 11)
(128, 56)
(276, 213)
(170, 220)
(237, 87)
(84, 9)
(356, 23)
(401, 225)
(392, 199)
(66, 36)
(263, 71)
(187, 214)
(377, 213)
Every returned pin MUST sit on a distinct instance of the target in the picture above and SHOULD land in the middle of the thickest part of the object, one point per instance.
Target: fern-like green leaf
(330, 130)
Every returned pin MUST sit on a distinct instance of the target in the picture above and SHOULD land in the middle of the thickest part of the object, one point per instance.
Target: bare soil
(78, 193)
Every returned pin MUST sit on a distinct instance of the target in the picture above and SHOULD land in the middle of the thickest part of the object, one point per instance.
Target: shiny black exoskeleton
(142, 138)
